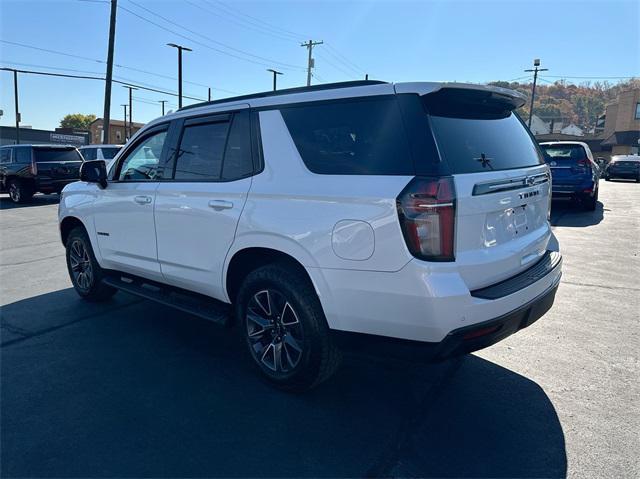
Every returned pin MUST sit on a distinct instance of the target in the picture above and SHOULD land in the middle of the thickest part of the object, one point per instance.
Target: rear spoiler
(511, 99)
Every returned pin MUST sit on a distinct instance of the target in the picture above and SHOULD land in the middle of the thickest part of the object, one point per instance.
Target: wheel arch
(68, 224)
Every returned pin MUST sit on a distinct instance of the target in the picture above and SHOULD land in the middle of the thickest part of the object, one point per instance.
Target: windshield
(45, 155)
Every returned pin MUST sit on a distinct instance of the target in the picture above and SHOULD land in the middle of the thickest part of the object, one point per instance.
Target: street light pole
(124, 105)
(275, 75)
(162, 102)
(536, 64)
(180, 48)
(131, 88)
(15, 97)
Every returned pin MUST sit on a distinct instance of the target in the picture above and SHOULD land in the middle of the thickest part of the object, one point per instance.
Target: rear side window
(46, 155)
(238, 162)
(201, 151)
(89, 154)
(355, 137)
(109, 153)
(5, 155)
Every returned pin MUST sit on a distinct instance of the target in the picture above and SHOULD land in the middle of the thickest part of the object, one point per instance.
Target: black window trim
(165, 126)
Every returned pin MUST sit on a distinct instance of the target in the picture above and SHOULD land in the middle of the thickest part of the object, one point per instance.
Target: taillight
(34, 168)
(583, 163)
(426, 208)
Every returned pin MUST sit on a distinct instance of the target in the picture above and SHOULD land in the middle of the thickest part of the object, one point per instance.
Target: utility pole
(107, 86)
(366, 77)
(131, 88)
(310, 63)
(275, 75)
(209, 94)
(536, 64)
(162, 102)
(124, 105)
(15, 98)
(180, 48)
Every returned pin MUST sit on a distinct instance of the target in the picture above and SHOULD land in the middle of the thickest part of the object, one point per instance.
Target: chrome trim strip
(510, 184)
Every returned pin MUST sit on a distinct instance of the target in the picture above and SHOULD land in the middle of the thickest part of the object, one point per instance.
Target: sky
(235, 41)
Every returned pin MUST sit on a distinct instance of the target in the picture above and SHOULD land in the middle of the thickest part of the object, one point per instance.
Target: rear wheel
(84, 271)
(590, 202)
(285, 329)
(19, 192)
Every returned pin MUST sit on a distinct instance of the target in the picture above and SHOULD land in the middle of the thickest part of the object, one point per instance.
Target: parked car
(574, 173)
(28, 169)
(413, 214)
(623, 166)
(99, 152)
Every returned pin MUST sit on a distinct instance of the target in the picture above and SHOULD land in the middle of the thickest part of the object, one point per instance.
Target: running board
(189, 302)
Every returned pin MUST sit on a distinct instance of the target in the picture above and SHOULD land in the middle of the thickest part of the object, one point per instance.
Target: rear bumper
(49, 185)
(459, 341)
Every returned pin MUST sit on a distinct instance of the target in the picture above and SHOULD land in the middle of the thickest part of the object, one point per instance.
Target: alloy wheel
(81, 265)
(274, 331)
(14, 193)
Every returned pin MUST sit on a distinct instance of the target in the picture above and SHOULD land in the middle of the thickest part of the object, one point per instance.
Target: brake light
(34, 168)
(426, 209)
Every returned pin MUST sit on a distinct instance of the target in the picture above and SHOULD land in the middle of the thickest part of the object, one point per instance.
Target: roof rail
(286, 91)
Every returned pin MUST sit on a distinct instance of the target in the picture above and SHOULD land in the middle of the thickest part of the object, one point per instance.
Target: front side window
(356, 137)
(201, 150)
(23, 155)
(638, 111)
(143, 162)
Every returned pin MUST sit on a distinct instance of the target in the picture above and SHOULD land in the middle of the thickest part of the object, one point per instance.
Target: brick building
(117, 131)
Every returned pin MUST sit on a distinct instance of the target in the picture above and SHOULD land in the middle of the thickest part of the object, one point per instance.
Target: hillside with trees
(569, 103)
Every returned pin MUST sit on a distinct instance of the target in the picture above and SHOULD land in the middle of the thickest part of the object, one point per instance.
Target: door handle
(142, 200)
(220, 205)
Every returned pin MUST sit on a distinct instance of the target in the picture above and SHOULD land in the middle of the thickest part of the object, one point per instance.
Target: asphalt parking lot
(133, 389)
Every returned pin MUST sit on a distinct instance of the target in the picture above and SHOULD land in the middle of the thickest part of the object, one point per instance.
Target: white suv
(412, 214)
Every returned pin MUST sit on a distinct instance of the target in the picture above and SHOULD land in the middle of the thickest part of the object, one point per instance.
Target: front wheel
(84, 271)
(285, 328)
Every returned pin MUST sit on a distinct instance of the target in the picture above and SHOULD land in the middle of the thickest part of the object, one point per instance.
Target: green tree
(77, 120)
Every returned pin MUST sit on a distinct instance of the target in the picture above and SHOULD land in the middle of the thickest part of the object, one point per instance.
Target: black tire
(590, 202)
(19, 192)
(280, 315)
(84, 271)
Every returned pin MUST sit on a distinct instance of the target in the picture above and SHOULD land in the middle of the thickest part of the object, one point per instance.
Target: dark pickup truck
(28, 169)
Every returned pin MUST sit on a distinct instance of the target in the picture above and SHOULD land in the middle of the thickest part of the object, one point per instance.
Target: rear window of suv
(476, 132)
(571, 153)
(46, 155)
(353, 137)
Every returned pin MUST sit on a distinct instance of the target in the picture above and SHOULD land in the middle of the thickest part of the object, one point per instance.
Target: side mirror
(94, 172)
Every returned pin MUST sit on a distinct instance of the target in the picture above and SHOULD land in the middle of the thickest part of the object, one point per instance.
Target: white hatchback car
(412, 214)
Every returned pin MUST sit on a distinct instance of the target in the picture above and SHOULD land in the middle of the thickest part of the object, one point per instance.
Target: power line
(591, 78)
(280, 30)
(264, 59)
(85, 77)
(345, 61)
(249, 26)
(337, 67)
(147, 72)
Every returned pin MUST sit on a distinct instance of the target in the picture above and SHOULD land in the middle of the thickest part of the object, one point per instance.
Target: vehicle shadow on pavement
(37, 200)
(131, 388)
(569, 213)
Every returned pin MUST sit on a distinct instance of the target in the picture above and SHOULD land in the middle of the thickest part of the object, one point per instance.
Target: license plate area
(508, 224)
